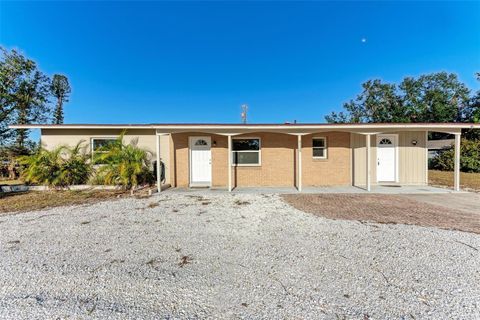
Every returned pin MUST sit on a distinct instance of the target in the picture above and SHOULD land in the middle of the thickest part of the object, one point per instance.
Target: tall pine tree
(60, 89)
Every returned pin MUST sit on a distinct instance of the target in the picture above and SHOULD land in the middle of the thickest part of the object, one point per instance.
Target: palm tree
(61, 167)
(124, 164)
(43, 167)
(76, 167)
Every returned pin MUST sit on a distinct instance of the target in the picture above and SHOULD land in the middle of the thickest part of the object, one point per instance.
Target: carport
(404, 146)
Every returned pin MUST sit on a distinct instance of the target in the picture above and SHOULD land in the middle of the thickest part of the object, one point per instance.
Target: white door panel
(386, 158)
(200, 161)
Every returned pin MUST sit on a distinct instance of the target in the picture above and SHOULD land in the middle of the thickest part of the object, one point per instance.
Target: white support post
(369, 165)
(426, 158)
(159, 166)
(299, 163)
(229, 163)
(456, 169)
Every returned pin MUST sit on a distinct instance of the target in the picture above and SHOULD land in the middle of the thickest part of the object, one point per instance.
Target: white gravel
(244, 256)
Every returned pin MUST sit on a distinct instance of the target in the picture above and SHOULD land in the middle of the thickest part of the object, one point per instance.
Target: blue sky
(198, 62)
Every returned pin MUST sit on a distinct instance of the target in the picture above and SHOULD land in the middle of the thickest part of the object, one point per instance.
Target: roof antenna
(244, 113)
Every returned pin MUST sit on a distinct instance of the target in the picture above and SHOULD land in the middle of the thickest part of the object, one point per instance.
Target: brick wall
(278, 161)
(335, 170)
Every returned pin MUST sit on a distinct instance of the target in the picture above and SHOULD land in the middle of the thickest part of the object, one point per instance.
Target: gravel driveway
(229, 256)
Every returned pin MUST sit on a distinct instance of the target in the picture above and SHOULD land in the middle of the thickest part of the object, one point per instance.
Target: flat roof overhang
(288, 128)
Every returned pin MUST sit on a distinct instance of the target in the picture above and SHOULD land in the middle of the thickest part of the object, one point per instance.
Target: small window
(385, 141)
(246, 152)
(99, 146)
(201, 142)
(319, 148)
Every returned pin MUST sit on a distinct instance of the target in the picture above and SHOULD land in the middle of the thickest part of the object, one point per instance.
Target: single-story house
(276, 155)
(436, 147)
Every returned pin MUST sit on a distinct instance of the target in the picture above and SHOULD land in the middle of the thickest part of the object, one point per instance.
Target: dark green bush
(469, 160)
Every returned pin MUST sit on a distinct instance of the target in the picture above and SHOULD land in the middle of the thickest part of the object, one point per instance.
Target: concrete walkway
(342, 189)
(467, 201)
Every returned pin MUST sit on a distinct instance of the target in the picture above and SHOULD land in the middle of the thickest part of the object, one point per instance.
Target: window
(385, 141)
(319, 146)
(246, 152)
(201, 142)
(99, 146)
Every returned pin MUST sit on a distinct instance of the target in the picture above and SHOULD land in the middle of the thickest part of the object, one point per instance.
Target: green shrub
(124, 165)
(77, 167)
(61, 167)
(469, 160)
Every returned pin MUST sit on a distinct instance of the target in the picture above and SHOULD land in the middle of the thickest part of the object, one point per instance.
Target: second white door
(386, 158)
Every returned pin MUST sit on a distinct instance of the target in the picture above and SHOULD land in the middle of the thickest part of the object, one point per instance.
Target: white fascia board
(80, 126)
(289, 127)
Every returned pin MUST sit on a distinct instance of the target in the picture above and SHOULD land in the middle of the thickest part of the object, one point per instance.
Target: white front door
(386, 158)
(200, 161)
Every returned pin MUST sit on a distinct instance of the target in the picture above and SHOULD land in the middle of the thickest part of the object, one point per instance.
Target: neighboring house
(274, 155)
(435, 147)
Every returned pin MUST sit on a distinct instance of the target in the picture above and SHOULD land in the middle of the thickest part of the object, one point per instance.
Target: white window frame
(92, 151)
(259, 152)
(325, 148)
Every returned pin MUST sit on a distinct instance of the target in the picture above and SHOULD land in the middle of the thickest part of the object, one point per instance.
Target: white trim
(259, 164)
(326, 127)
(299, 148)
(229, 166)
(196, 184)
(92, 151)
(352, 179)
(456, 169)
(325, 157)
(101, 138)
(395, 142)
(368, 147)
(426, 157)
(159, 165)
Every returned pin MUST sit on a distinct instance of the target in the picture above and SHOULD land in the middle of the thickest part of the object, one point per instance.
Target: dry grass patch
(382, 208)
(469, 180)
(153, 205)
(37, 200)
(184, 261)
(241, 203)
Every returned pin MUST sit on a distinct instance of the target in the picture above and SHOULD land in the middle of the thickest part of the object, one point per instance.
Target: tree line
(27, 95)
(436, 97)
